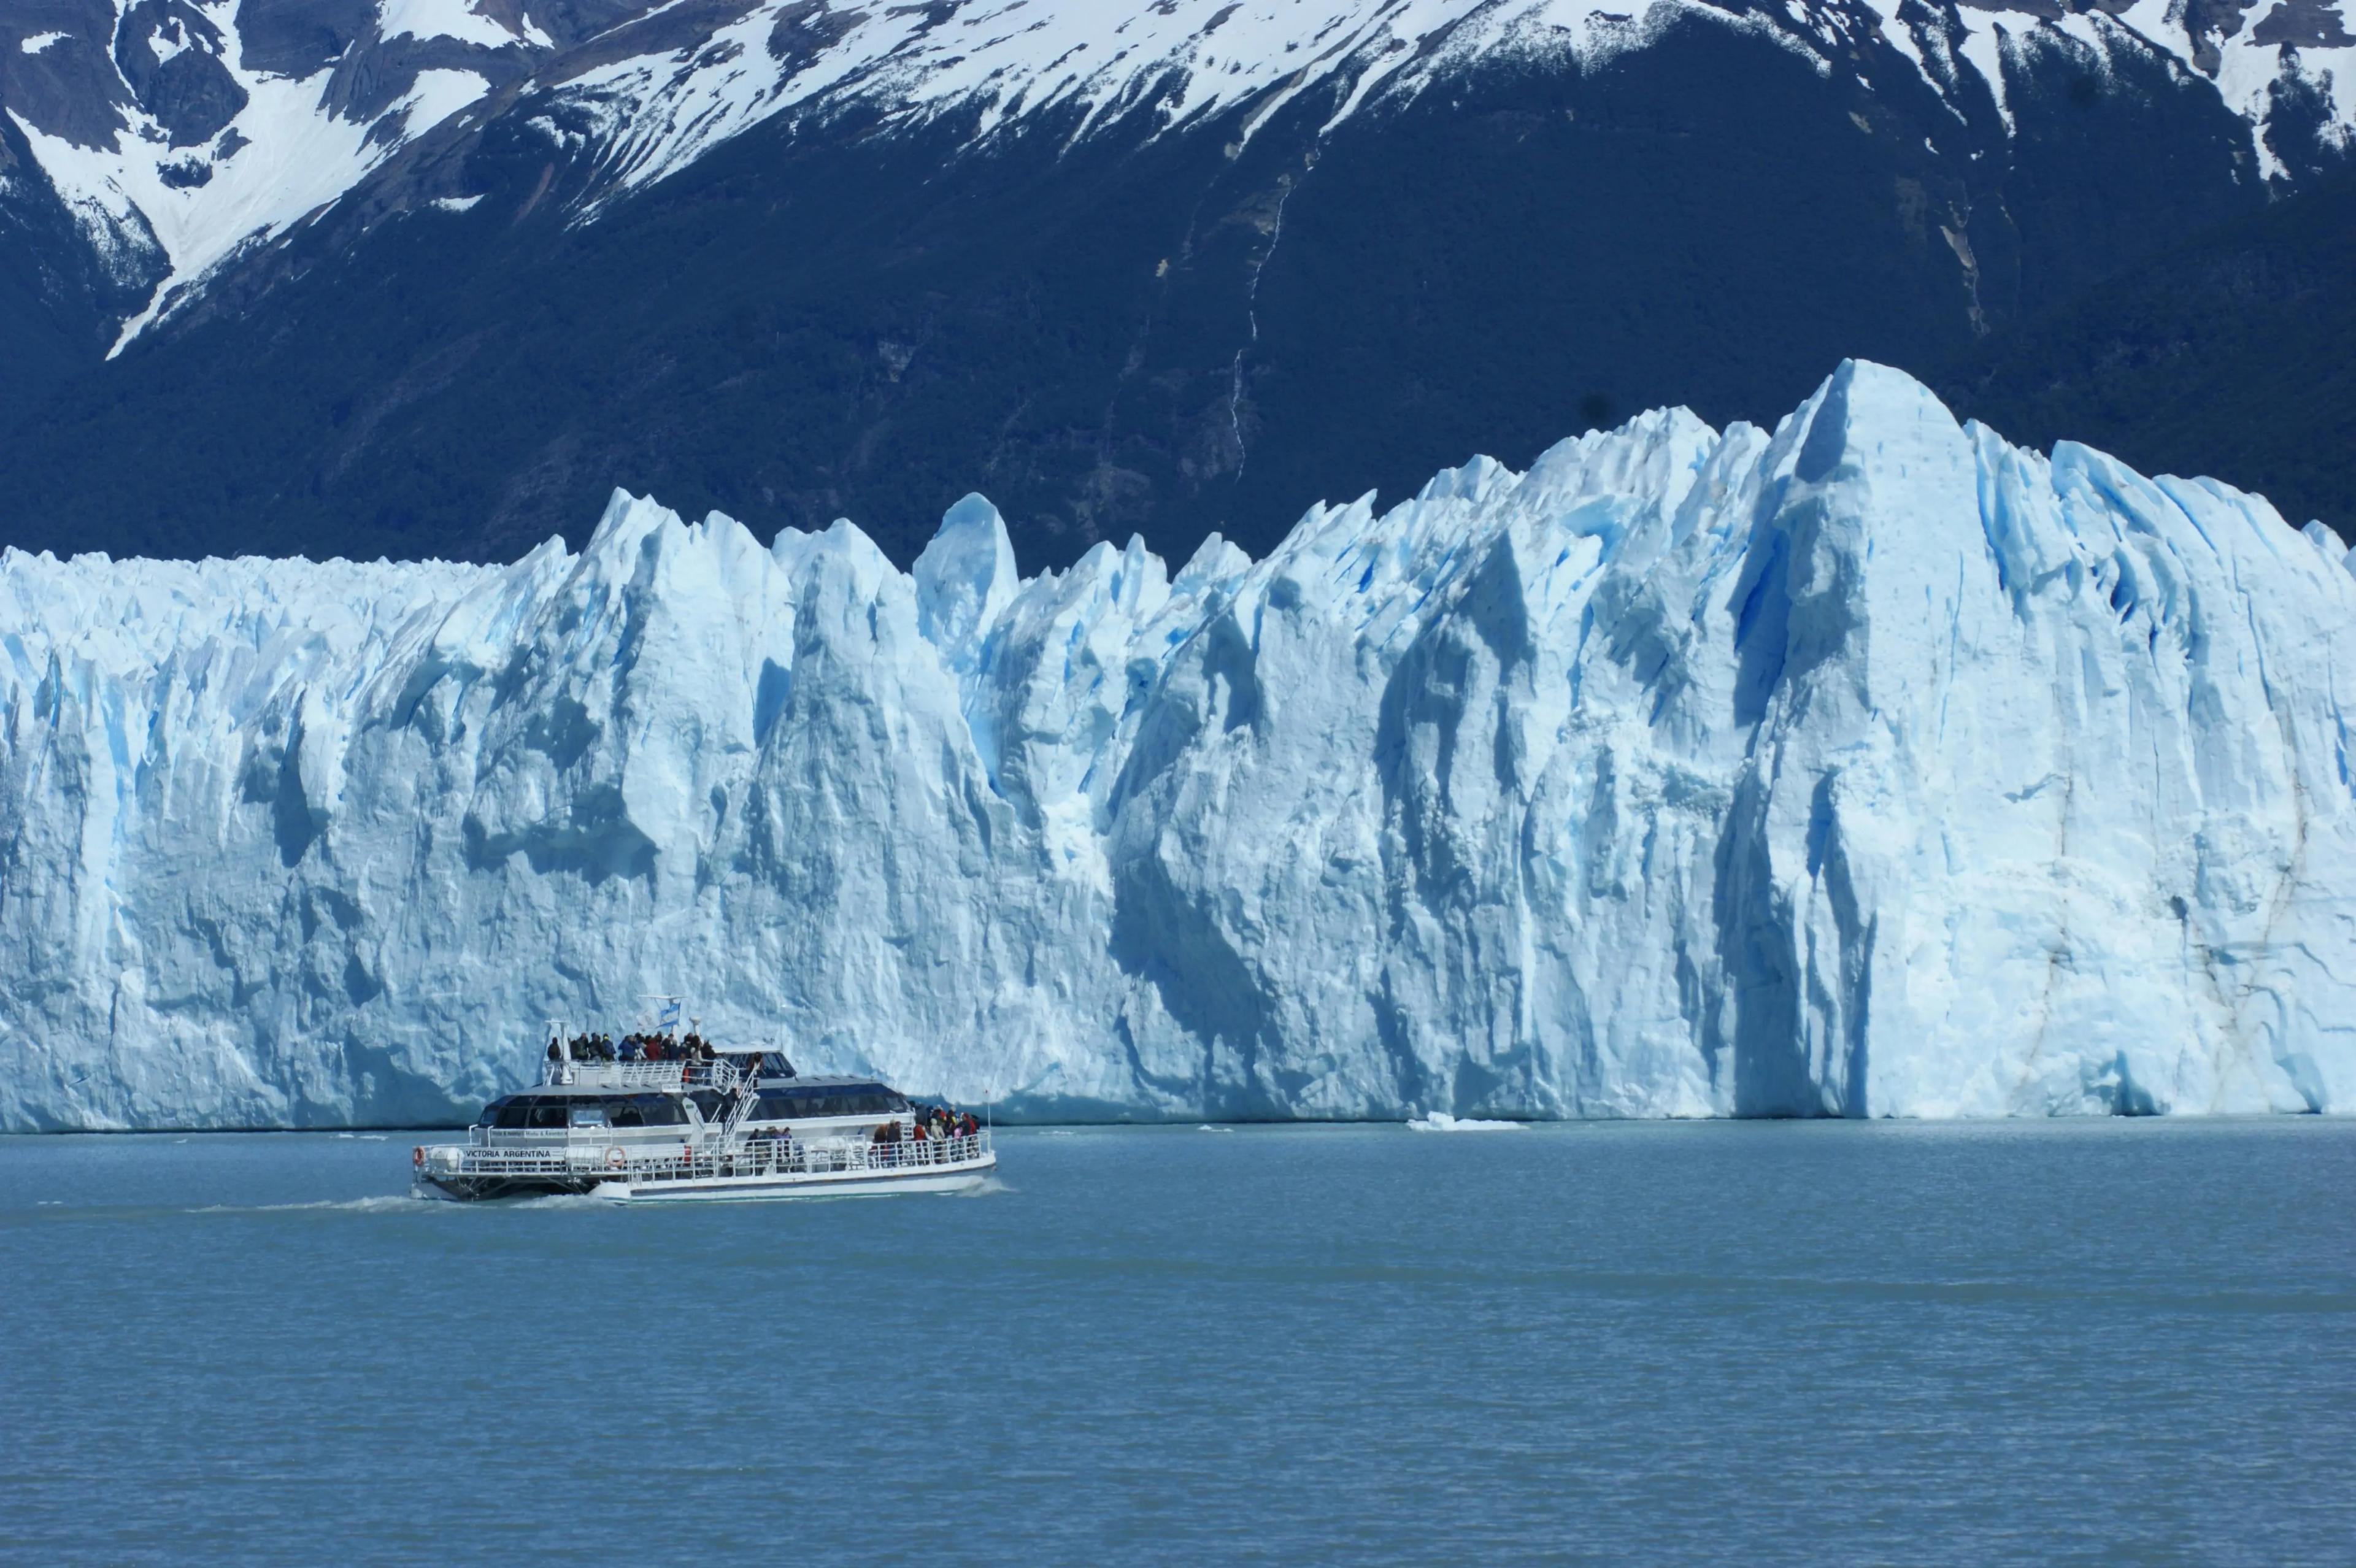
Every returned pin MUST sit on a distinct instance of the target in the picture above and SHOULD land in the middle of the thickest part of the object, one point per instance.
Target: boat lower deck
(754, 1169)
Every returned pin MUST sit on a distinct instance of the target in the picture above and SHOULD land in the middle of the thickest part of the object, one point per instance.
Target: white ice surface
(1870, 766)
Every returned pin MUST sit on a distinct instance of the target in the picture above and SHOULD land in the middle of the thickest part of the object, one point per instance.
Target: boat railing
(689, 1158)
(717, 1073)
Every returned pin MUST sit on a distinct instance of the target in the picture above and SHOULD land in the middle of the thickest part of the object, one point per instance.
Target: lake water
(2107, 1342)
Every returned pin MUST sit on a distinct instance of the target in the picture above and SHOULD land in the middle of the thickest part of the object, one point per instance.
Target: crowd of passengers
(934, 1121)
(632, 1047)
(935, 1124)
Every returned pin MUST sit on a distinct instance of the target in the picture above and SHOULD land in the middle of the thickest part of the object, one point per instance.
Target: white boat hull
(712, 1186)
(962, 1178)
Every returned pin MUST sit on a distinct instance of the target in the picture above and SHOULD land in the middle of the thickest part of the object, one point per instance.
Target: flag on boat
(670, 1020)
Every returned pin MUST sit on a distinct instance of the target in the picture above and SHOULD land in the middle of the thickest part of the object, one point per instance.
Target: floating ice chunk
(1441, 1122)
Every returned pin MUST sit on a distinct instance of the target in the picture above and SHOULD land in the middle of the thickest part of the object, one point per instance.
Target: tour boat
(698, 1122)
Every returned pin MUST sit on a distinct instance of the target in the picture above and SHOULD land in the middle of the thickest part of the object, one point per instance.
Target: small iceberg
(1441, 1122)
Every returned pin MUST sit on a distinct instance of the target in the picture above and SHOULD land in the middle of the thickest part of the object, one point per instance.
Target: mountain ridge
(650, 87)
(1120, 317)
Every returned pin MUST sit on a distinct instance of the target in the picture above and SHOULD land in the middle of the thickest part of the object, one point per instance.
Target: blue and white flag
(670, 1020)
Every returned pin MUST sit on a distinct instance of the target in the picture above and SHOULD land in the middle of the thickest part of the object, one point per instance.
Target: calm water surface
(2117, 1342)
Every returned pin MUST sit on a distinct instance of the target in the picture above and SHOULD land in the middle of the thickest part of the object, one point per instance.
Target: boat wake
(381, 1203)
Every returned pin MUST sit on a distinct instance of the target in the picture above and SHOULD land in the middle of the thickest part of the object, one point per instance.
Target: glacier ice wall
(1870, 767)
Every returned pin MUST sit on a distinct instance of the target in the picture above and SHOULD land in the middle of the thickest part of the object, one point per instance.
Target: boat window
(660, 1110)
(708, 1102)
(869, 1101)
(491, 1112)
(629, 1111)
(588, 1114)
(547, 1115)
(514, 1113)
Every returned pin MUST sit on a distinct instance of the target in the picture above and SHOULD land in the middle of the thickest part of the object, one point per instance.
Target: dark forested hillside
(2232, 354)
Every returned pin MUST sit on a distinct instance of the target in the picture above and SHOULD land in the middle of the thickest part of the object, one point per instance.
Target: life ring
(615, 1157)
(417, 1157)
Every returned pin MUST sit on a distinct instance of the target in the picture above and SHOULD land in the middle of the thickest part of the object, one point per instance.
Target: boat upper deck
(717, 1072)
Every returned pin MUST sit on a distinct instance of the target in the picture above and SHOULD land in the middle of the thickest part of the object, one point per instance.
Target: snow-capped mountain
(429, 278)
(1869, 766)
(180, 134)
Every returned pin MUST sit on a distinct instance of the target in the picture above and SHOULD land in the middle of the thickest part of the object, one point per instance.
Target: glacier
(1869, 766)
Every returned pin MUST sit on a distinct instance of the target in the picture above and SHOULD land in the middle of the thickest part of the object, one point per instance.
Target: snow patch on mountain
(1182, 61)
(443, 19)
(1867, 766)
(1185, 61)
(282, 157)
